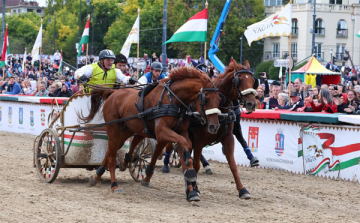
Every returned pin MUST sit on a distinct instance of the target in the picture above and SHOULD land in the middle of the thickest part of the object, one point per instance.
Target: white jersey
(88, 71)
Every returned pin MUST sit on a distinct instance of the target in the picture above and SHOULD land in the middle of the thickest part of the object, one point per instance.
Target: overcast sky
(41, 2)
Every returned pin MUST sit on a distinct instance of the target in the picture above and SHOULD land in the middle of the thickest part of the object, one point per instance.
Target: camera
(261, 74)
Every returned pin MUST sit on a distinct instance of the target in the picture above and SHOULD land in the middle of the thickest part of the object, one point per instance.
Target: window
(340, 51)
(294, 27)
(276, 51)
(335, 2)
(19, 10)
(38, 10)
(14, 11)
(317, 49)
(319, 27)
(30, 10)
(294, 51)
(341, 30)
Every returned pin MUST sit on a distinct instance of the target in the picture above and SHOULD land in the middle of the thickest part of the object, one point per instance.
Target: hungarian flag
(5, 50)
(61, 63)
(84, 39)
(194, 30)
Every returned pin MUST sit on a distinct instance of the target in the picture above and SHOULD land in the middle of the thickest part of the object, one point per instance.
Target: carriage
(163, 115)
(63, 145)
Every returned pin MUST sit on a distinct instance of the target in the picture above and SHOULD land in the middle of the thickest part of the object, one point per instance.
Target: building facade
(336, 23)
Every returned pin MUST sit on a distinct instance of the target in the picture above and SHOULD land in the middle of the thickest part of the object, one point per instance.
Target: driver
(154, 75)
(120, 63)
(103, 72)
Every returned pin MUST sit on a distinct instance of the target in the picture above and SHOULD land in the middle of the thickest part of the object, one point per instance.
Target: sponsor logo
(32, 118)
(42, 117)
(21, 117)
(10, 115)
(279, 142)
(253, 138)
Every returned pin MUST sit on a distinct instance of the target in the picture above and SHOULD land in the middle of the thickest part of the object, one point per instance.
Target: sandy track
(277, 196)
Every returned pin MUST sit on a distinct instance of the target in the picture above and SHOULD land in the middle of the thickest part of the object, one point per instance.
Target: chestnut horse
(236, 83)
(186, 85)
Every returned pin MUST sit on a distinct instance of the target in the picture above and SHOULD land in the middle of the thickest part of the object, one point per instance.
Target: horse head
(209, 103)
(197, 89)
(244, 84)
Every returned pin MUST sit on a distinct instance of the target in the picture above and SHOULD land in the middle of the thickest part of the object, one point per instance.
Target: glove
(132, 80)
(84, 79)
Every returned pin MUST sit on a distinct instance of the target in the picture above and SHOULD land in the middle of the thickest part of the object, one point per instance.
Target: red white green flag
(5, 50)
(61, 63)
(194, 30)
(84, 39)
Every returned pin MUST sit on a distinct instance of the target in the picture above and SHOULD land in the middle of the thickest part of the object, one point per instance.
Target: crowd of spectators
(20, 77)
(334, 98)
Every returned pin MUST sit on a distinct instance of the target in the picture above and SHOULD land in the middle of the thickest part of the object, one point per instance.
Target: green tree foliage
(264, 67)
(22, 31)
(113, 19)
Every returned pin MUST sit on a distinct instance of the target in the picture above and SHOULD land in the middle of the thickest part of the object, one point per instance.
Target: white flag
(38, 43)
(23, 63)
(132, 38)
(278, 24)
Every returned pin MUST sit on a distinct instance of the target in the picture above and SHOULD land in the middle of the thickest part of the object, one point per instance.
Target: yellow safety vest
(98, 76)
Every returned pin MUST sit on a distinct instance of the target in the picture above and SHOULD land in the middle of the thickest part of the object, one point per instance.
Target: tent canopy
(314, 67)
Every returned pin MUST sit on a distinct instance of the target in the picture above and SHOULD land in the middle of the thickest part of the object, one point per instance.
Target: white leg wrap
(212, 111)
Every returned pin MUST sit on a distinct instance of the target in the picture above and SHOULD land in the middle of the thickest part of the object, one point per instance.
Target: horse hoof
(145, 184)
(193, 196)
(244, 194)
(208, 170)
(165, 169)
(92, 181)
(254, 162)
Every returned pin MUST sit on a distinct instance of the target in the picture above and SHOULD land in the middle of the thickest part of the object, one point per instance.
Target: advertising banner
(331, 151)
(24, 117)
(273, 142)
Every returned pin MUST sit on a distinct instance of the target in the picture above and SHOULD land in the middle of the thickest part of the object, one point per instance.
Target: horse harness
(172, 109)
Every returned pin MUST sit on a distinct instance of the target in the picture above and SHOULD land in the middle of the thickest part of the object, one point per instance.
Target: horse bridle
(203, 101)
(236, 83)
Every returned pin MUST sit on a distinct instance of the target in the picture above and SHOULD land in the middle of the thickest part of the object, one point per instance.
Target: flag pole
(60, 62)
(138, 48)
(87, 45)
(39, 79)
(24, 67)
(5, 54)
(290, 62)
(206, 6)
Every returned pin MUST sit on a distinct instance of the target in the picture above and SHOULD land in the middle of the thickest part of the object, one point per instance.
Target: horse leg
(150, 168)
(93, 180)
(165, 168)
(128, 156)
(228, 144)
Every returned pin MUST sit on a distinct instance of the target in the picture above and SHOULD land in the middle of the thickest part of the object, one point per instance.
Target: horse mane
(231, 68)
(188, 72)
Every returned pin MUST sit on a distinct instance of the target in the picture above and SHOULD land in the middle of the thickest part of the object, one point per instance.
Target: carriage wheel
(48, 155)
(174, 160)
(140, 158)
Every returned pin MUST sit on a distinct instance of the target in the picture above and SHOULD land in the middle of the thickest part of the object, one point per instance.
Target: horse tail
(98, 97)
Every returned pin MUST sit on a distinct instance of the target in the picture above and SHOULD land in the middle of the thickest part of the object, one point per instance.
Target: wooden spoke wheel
(48, 155)
(141, 157)
(174, 160)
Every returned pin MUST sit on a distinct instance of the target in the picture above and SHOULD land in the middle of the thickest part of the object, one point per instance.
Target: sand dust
(277, 196)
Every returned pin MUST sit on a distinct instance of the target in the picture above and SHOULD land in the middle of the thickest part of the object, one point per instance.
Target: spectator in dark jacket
(65, 92)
